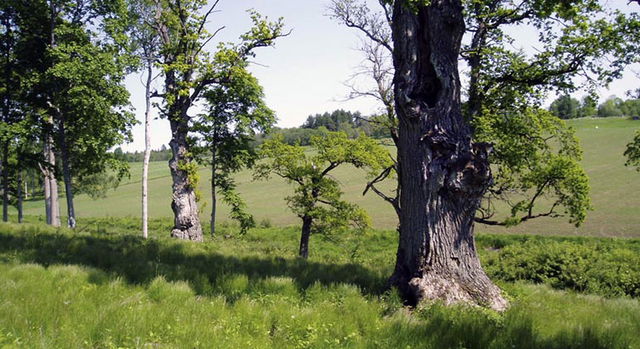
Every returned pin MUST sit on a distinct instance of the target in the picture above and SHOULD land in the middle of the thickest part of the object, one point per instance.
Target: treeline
(351, 123)
(162, 154)
(567, 107)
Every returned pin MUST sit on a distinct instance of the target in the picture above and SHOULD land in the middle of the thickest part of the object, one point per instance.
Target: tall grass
(103, 288)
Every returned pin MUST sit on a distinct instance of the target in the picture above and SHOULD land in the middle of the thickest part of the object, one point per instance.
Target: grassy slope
(615, 191)
(104, 289)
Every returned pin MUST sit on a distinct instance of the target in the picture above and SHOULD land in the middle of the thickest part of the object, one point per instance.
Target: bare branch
(359, 16)
(204, 19)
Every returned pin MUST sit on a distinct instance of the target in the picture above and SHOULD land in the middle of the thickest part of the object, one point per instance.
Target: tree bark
(147, 152)
(185, 208)
(19, 197)
(66, 172)
(214, 199)
(304, 237)
(5, 182)
(47, 193)
(4, 168)
(52, 207)
(443, 175)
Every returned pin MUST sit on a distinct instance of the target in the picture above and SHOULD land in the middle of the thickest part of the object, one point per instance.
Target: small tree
(610, 107)
(588, 107)
(236, 111)
(565, 107)
(633, 152)
(317, 196)
(145, 44)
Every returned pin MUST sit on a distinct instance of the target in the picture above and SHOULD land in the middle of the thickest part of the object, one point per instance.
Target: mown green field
(615, 191)
(104, 287)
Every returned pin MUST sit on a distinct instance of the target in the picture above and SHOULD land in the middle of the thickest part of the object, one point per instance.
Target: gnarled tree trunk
(185, 208)
(443, 175)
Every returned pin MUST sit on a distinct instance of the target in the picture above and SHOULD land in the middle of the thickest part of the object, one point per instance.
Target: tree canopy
(317, 196)
(580, 44)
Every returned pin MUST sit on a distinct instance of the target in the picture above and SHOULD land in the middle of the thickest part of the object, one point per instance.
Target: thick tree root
(451, 290)
(191, 234)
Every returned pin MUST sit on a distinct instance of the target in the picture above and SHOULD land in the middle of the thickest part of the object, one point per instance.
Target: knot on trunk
(441, 144)
(470, 173)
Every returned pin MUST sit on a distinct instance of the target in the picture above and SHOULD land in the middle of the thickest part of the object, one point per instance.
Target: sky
(305, 72)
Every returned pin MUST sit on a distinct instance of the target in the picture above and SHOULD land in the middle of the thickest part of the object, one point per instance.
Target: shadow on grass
(139, 261)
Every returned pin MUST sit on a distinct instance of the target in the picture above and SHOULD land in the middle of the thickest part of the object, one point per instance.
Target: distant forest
(352, 123)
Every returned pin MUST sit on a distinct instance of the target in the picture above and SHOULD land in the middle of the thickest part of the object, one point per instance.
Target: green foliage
(188, 69)
(588, 107)
(236, 112)
(72, 84)
(610, 107)
(633, 152)
(317, 196)
(576, 39)
(535, 155)
(507, 86)
(565, 107)
(191, 169)
(338, 120)
(610, 268)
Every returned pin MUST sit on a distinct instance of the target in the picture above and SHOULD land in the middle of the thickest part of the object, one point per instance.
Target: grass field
(615, 191)
(106, 288)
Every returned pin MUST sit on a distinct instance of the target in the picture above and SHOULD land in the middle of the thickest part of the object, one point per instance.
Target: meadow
(615, 191)
(107, 288)
(103, 286)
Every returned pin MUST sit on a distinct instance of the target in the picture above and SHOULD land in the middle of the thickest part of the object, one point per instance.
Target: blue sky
(305, 72)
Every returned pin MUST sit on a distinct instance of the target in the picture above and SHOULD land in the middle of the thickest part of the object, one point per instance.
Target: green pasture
(105, 287)
(615, 191)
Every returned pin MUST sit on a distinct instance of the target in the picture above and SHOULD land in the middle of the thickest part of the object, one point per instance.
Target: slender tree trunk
(214, 199)
(19, 196)
(4, 166)
(5, 182)
(443, 175)
(52, 206)
(66, 172)
(304, 237)
(147, 152)
(47, 194)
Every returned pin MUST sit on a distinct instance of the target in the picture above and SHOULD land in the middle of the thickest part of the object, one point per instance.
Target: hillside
(615, 191)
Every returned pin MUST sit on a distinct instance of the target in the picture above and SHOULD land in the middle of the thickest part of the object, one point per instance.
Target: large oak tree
(443, 145)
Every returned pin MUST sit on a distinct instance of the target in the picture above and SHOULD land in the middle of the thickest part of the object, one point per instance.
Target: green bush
(605, 267)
